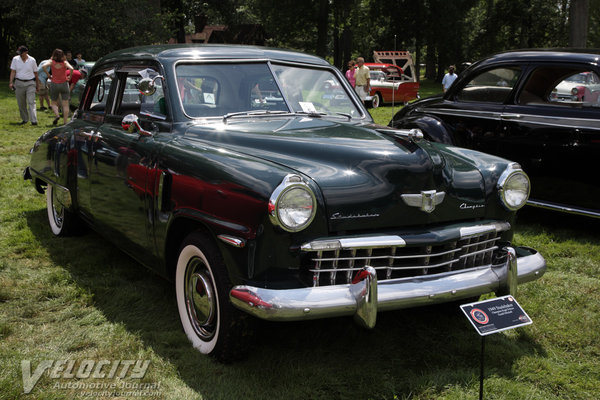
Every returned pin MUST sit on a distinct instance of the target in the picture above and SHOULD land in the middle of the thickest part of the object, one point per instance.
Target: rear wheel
(202, 287)
(62, 221)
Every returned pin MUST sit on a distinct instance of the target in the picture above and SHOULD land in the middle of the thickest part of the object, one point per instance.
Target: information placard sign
(495, 315)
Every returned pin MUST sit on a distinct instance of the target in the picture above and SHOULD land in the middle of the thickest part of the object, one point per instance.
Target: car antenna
(394, 85)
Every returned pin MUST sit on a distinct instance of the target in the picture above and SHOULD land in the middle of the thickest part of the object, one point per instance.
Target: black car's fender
(432, 127)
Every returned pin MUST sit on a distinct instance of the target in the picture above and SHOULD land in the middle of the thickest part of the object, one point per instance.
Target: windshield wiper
(253, 114)
(316, 114)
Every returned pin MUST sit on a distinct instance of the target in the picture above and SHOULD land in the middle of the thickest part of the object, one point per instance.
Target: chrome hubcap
(57, 210)
(200, 299)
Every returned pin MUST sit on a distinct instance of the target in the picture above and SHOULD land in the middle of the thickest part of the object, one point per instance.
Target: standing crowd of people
(52, 80)
(358, 76)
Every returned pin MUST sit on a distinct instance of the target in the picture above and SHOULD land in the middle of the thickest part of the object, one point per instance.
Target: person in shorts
(59, 83)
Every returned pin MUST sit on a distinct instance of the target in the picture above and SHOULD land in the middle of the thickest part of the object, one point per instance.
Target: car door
(123, 187)
(559, 137)
(473, 110)
(86, 133)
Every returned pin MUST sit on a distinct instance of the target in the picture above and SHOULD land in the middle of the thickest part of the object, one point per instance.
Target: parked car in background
(388, 87)
(400, 84)
(539, 108)
(584, 87)
(262, 192)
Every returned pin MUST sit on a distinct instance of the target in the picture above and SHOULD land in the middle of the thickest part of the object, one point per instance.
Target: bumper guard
(365, 296)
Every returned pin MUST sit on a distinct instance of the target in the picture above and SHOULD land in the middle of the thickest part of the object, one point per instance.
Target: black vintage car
(238, 174)
(540, 108)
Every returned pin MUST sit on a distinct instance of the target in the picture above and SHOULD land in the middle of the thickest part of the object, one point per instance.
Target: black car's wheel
(202, 287)
(62, 221)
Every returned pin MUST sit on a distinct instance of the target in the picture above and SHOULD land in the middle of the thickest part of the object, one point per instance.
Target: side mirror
(131, 122)
(147, 87)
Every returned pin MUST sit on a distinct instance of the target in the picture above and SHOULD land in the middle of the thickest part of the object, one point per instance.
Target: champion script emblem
(426, 200)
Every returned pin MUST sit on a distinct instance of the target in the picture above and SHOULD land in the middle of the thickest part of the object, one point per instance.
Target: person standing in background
(24, 81)
(79, 60)
(363, 80)
(70, 60)
(449, 78)
(350, 73)
(43, 85)
(59, 83)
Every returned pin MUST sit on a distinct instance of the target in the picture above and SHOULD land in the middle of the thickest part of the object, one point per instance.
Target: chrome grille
(326, 263)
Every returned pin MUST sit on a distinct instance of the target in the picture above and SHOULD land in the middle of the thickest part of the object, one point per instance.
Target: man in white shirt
(449, 78)
(24, 81)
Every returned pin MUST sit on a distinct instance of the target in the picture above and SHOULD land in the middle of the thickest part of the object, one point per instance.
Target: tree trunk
(578, 23)
(322, 28)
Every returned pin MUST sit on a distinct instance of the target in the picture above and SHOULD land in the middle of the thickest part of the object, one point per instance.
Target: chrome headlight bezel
(291, 183)
(512, 172)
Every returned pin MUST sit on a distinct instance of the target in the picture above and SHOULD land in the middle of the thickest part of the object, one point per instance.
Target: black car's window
(96, 97)
(568, 86)
(209, 90)
(492, 86)
(131, 101)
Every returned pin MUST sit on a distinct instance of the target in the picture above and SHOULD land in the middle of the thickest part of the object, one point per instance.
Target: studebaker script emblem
(426, 200)
(352, 216)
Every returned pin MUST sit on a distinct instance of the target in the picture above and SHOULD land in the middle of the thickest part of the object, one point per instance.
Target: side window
(131, 101)
(492, 86)
(96, 98)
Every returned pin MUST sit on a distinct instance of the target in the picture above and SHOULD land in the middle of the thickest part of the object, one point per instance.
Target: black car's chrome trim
(563, 208)
(462, 113)
(340, 300)
(335, 261)
(581, 123)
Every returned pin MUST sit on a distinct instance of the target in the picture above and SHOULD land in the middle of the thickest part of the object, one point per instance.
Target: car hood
(363, 171)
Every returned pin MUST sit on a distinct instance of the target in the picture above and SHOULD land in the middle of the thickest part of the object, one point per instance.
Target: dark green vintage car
(262, 192)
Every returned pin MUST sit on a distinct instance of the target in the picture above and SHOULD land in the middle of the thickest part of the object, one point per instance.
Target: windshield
(211, 90)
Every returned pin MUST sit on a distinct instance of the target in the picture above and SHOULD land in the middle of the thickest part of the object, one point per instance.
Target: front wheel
(202, 287)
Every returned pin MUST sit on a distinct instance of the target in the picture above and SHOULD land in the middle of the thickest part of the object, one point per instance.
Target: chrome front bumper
(365, 297)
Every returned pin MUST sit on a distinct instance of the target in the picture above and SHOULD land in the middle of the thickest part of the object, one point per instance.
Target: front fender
(433, 128)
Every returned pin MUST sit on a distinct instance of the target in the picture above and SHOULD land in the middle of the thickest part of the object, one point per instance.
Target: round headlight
(513, 188)
(292, 205)
(574, 91)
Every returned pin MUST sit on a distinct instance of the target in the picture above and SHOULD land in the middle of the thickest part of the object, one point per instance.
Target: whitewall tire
(202, 287)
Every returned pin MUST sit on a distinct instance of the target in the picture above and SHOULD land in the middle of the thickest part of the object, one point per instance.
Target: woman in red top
(59, 83)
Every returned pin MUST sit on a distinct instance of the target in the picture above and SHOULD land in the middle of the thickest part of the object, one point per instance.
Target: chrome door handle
(511, 116)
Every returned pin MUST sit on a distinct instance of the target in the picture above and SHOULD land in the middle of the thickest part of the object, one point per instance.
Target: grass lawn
(81, 299)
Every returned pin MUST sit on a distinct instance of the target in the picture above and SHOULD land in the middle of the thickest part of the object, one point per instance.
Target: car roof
(172, 53)
(544, 55)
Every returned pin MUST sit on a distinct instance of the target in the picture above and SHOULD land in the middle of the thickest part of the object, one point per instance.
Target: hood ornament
(426, 200)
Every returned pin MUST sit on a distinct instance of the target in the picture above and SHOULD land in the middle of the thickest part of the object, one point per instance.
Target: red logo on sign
(479, 316)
